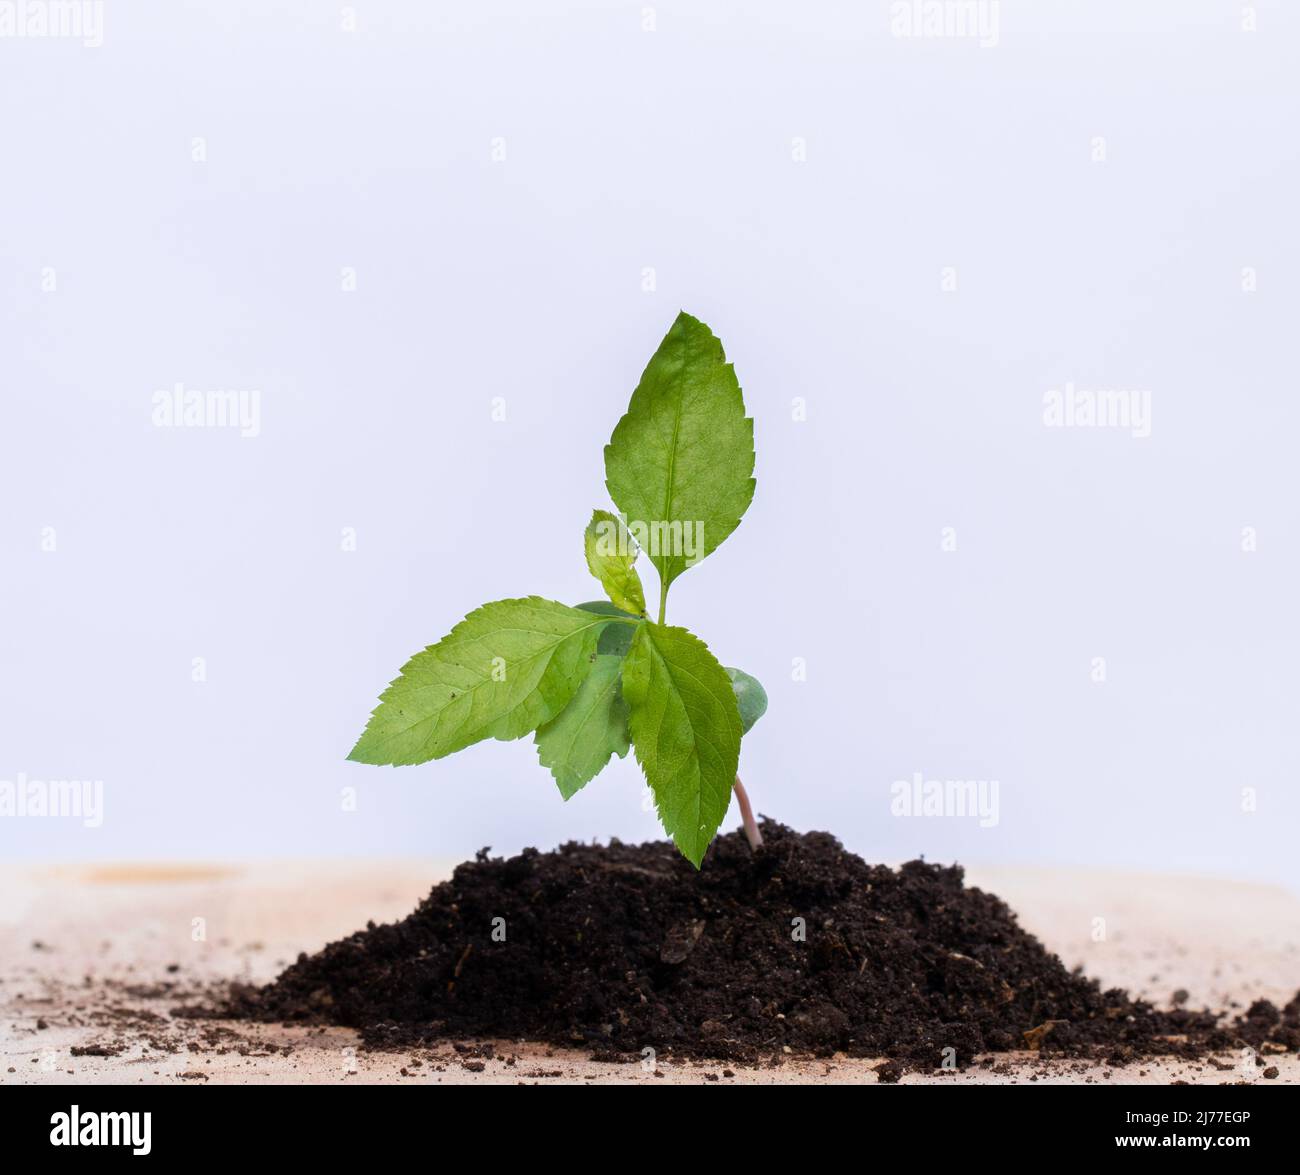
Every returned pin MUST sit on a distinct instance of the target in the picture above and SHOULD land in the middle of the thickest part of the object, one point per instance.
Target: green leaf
(579, 741)
(751, 698)
(506, 669)
(617, 638)
(610, 555)
(685, 726)
(681, 461)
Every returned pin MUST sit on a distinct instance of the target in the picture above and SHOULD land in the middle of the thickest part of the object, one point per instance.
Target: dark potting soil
(802, 947)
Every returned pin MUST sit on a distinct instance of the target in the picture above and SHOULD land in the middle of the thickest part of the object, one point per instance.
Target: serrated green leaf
(506, 669)
(578, 742)
(610, 555)
(680, 463)
(685, 726)
(751, 697)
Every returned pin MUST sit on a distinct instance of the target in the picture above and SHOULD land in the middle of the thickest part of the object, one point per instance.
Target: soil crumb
(802, 948)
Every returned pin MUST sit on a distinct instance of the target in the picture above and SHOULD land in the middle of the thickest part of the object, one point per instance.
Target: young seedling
(592, 680)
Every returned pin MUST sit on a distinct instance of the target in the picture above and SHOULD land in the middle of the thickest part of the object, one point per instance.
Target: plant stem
(663, 602)
(752, 834)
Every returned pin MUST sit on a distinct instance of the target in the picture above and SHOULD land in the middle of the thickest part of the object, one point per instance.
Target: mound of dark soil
(802, 946)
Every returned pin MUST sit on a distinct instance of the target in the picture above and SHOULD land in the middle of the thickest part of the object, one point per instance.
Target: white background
(674, 149)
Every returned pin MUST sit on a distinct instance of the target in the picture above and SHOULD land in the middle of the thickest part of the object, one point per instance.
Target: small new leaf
(685, 726)
(617, 638)
(506, 669)
(578, 743)
(680, 463)
(610, 556)
(751, 698)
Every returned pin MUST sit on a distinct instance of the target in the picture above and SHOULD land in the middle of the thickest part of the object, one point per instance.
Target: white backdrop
(394, 221)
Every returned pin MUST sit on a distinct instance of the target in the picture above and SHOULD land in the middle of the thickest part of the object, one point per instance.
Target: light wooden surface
(77, 944)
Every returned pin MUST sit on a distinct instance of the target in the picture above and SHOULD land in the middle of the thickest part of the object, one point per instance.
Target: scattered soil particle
(800, 948)
(97, 1050)
(889, 1072)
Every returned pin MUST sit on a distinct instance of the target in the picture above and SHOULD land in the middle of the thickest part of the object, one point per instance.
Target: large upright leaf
(681, 461)
(506, 669)
(686, 729)
(610, 558)
(578, 742)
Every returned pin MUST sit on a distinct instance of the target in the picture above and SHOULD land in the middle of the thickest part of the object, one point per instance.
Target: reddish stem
(752, 834)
